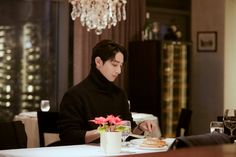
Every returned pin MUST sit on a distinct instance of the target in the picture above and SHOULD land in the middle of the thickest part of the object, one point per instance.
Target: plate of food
(150, 143)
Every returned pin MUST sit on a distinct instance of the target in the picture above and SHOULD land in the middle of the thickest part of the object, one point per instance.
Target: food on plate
(153, 143)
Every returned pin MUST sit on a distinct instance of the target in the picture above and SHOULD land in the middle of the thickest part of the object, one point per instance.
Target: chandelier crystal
(98, 14)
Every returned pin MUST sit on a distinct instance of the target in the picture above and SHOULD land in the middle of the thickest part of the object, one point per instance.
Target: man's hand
(148, 126)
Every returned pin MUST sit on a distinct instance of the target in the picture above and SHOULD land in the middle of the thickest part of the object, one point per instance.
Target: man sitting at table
(97, 96)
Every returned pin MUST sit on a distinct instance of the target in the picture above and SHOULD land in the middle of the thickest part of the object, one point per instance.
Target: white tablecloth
(76, 150)
(31, 127)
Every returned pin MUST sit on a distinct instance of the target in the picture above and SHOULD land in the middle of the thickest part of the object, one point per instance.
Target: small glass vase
(110, 142)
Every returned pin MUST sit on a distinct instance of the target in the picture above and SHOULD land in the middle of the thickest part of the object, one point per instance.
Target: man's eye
(114, 64)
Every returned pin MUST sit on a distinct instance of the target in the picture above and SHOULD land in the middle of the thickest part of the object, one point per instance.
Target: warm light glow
(8, 88)
(2, 33)
(8, 104)
(30, 88)
(1, 46)
(30, 97)
(8, 96)
(98, 14)
(8, 77)
(1, 53)
(8, 58)
(30, 77)
(8, 67)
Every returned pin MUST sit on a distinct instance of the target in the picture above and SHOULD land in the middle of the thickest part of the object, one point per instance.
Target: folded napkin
(202, 140)
(142, 116)
(28, 114)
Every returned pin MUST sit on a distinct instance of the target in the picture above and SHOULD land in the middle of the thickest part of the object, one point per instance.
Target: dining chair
(202, 140)
(47, 123)
(184, 122)
(12, 135)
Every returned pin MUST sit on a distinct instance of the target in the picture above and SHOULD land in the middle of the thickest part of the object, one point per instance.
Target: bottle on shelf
(147, 31)
(155, 30)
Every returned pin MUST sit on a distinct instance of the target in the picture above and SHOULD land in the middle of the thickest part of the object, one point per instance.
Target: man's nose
(118, 70)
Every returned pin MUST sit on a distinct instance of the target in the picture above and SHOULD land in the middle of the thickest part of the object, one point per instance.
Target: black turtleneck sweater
(93, 97)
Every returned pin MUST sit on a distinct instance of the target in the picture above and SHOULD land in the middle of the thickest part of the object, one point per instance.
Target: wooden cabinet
(159, 80)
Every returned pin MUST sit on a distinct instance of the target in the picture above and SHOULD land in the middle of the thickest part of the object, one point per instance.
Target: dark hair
(107, 49)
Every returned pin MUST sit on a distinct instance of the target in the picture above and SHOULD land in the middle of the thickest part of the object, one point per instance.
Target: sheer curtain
(124, 32)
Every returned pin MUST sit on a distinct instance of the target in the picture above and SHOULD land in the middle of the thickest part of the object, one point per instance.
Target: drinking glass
(216, 126)
(126, 131)
(45, 105)
(230, 120)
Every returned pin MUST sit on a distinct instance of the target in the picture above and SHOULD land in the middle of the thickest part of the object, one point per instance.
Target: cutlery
(137, 136)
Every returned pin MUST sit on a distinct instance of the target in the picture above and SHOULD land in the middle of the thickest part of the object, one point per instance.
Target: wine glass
(126, 131)
(230, 120)
(45, 105)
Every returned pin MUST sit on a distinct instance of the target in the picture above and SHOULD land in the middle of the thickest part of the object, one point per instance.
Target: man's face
(111, 68)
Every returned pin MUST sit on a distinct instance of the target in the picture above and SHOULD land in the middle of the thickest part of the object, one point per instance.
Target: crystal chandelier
(98, 14)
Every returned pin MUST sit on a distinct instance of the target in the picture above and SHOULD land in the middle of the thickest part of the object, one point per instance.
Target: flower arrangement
(173, 33)
(109, 124)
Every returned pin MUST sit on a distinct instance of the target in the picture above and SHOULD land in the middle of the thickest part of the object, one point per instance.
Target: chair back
(12, 135)
(47, 123)
(184, 122)
(202, 140)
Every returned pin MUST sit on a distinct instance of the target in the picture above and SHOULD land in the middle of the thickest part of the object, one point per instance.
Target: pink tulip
(109, 123)
(99, 120)
(113, 120)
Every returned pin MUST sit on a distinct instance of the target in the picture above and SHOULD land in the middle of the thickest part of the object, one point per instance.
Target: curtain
(123, 33)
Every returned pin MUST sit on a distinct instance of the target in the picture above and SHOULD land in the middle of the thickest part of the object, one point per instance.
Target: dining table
(31, 127)
(92, 149)
(226, 150)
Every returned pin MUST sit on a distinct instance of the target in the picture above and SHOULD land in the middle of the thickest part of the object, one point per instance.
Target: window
(31, 51)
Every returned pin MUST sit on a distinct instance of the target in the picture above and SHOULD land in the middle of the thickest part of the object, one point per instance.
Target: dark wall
(169, 12)
(171, 4)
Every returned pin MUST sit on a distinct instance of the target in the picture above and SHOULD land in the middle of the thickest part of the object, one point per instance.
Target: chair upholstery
(47, 123)
(12, 135)
(202, 140)
(184, 122)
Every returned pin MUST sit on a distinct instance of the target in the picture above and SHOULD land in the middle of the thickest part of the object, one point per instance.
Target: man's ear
(98, 62)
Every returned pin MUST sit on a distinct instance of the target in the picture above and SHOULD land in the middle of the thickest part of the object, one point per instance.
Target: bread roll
(153, 143)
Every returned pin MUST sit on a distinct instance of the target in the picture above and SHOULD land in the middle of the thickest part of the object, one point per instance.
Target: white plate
(138, 142)
(153, 148)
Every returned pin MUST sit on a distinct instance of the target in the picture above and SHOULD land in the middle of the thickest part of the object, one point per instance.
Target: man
(97, 96)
